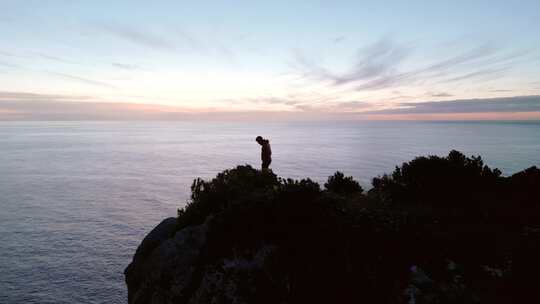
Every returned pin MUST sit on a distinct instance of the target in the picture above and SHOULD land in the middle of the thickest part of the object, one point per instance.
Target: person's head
(259, 139)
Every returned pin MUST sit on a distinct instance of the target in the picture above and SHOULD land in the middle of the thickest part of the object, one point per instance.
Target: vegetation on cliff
(436, 230)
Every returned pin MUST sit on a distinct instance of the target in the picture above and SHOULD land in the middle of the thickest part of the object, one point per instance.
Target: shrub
(229, 187)
(452, 181)
(339, 184)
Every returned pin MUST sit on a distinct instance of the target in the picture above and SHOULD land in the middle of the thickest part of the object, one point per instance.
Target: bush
(339, 184)
(452, 181)
(229, 187)
(240, 186)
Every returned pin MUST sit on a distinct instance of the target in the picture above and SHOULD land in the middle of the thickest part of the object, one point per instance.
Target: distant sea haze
(76, 198)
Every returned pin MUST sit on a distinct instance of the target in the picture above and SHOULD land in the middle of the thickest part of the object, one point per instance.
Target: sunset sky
(74, 59)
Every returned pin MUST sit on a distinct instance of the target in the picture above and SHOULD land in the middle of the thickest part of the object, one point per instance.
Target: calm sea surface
(76, 198)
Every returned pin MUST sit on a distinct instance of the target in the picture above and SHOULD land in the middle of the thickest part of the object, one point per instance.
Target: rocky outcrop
(164, 266)
(168, 268)
(250, 237)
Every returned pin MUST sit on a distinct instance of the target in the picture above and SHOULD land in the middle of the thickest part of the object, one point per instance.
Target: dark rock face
(164, 266)
(168, 269)
(160, 233)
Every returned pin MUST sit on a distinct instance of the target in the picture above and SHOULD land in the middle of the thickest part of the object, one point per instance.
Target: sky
(71, 59)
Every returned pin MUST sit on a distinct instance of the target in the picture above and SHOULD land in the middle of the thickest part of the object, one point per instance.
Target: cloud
(226, 53)
(190, 41)
(490, 73)
(32, 106)
(351, 106)
(57, 59)
(174, 40)
(6, 64)
(306, 102)
(380, 66)
(470, 56)
(139, 37)
(377, 60)
(7, 54)
(301, 101)
(30, 97)
(501, 104)
(438, 70)
(500, 91)
(335, 107)
(440, 94)
(124, 66)
(50, 107)
(213, 47)
(343, 107)
(338, 39)
(269, 100)
(84, 80)
(9, 65)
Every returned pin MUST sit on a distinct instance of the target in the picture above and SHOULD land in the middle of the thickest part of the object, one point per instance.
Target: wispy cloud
(84, 80)
(125, 66)
(374, 61)
(439, 94)
(7, 54)
(27, 96)
(270, 100)
(170, 39)
(311, 103)
(137, 36)
(351, 106)
(380, 66)
(500, 90)
(338, 39)
(467, 57)
(294, 101)
(190, 41)
(502, 104)
(56, 107)
(439, 70)
(335, 107)
(9, 65)
(55, 58)
(33, 106)
(226, 53)
(483, 73)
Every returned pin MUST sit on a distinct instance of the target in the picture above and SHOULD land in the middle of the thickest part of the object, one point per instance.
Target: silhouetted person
(266, 152)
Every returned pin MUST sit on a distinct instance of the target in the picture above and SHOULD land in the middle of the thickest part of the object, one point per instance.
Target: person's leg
(266, 164)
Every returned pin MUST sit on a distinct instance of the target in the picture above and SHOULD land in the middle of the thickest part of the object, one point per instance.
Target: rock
(161, 232)
(164, 266)
(234, 280)
(172, 269)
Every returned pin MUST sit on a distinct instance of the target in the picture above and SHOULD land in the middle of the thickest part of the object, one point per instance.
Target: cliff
(436, 230)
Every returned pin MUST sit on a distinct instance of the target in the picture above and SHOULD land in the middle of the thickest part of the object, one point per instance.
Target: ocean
(76, 198)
